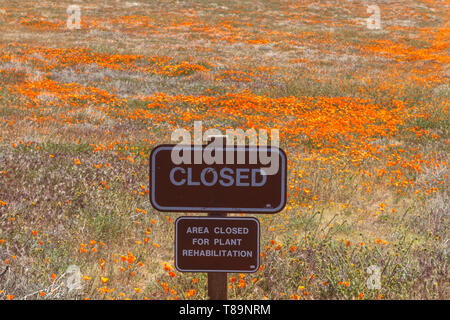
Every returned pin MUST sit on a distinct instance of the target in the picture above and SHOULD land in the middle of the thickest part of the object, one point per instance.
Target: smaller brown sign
(217, 244)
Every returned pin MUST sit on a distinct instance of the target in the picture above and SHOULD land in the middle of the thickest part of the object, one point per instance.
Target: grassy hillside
(362, 114)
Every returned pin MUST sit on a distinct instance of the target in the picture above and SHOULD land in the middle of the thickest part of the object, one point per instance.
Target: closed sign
(249, 183)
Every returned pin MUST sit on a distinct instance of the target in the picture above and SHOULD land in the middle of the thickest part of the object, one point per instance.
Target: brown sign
(249, 183)
(210, 244)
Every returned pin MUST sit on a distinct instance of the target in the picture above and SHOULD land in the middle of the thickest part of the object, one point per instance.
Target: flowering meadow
(362, 114)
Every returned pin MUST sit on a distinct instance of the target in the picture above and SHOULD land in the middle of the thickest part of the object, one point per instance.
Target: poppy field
(88, 88)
